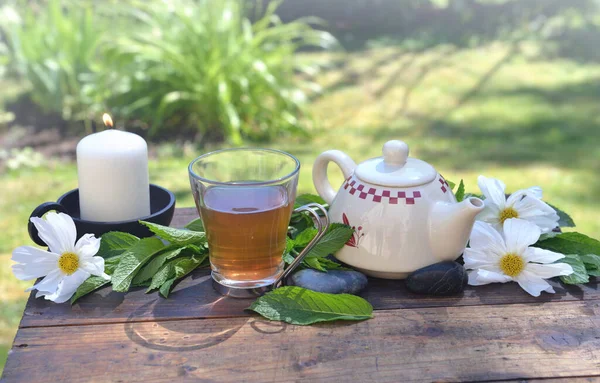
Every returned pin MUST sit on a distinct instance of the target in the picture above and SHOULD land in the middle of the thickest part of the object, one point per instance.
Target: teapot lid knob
(395, 152)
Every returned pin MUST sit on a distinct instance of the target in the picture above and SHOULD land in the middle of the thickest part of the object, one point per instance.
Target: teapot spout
(451, 225)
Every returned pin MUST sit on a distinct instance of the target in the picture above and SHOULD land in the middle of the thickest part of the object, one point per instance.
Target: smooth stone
(332, 282)
(444, 278)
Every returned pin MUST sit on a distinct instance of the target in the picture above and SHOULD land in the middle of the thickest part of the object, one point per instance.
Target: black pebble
(332, 282)
(444, 278)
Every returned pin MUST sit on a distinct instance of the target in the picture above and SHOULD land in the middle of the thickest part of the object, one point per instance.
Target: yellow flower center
(68, 263)
(512, 264)
(508, 213)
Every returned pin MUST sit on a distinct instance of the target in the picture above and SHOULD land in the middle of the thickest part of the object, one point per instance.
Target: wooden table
(490, 333)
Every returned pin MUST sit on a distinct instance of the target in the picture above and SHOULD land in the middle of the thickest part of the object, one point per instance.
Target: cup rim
(261, 183)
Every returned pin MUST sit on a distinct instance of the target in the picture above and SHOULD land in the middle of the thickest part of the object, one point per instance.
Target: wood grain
(194, 297)
(477, 343)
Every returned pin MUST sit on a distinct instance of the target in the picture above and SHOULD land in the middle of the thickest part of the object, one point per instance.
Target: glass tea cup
(245, 198)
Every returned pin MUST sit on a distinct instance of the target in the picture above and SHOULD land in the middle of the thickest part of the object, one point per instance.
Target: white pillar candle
(112, 167)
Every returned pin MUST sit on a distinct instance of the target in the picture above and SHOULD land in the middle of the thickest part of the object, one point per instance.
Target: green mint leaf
(165, 273)
(300, 306)
(148, 271)
(571, 243)
(326, 264)
(115, 243)
(298, 223)
(305, 237)
(287, 256)
(333, 240)
(565, 220)
(165, 289)
(591, 261)
(110, 264)
(133, 260)
(460, 192)
(313, 263)
(176, 236)
(305, 199)
(186, 265)
(195, 225)
(91, 284)
(593, 272)
(579, 275)
(451, 184)
(181, 267)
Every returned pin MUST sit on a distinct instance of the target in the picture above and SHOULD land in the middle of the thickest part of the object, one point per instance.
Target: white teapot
(403, 213)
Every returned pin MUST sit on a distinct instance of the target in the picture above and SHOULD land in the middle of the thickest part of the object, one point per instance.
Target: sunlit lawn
(492, 111)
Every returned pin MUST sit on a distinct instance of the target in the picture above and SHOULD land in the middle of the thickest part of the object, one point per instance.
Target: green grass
(497, 111)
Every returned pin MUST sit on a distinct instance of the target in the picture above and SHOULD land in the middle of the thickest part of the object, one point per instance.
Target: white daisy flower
(65, 266)
(523, 204)
(495, 257)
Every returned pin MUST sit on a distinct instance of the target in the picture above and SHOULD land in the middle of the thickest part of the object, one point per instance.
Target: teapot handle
(320, 172)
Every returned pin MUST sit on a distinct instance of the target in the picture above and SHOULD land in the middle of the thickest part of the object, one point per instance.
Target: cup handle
(322, 222)
(39, 212)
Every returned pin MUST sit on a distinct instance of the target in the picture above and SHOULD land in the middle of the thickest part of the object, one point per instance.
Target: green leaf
(564, 219)
(195, 225)
(165, 273)
(324, 264)
(305, 237)
(591, 261)
(300, 306)
(181, 267)
(571, 243)
(148, 271)
(451, 184)
(332, 241)
(305, 199)
(460, 192)
(133, 260)
(91, 284)
(115, 243)
(176, 236)
(186, 265)
(313, 263)
(593, 272)
(165, 288)
(287, 256)
(579, 275)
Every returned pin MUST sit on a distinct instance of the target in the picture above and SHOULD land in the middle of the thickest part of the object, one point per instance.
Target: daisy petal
(26, 272)
(519, 235)
(533, 284)
(87, 246)
(549, 270)
(485, 237)
(57, 230)
(30, 254)
(94, 266)
(68, 286)
(490, 213)
(534, 254)
(493, 189)
(483, 277)
(475, 259)
(49, 283)
(537, 212)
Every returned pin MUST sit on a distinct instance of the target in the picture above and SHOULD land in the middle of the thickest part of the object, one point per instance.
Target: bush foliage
(170, 64)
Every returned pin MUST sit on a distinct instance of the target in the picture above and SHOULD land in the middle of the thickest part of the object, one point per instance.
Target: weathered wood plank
(194, 297)
(478, 343)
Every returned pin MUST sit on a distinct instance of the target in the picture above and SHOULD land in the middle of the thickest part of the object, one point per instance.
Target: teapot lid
(395, 168)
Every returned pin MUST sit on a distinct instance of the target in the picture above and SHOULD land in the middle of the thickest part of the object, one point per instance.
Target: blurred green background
(509, 89)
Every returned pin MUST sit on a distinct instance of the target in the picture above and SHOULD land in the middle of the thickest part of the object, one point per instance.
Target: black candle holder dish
(162, 208)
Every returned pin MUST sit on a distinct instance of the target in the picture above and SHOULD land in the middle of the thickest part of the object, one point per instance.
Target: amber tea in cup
(246, 228)
(245, 198)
